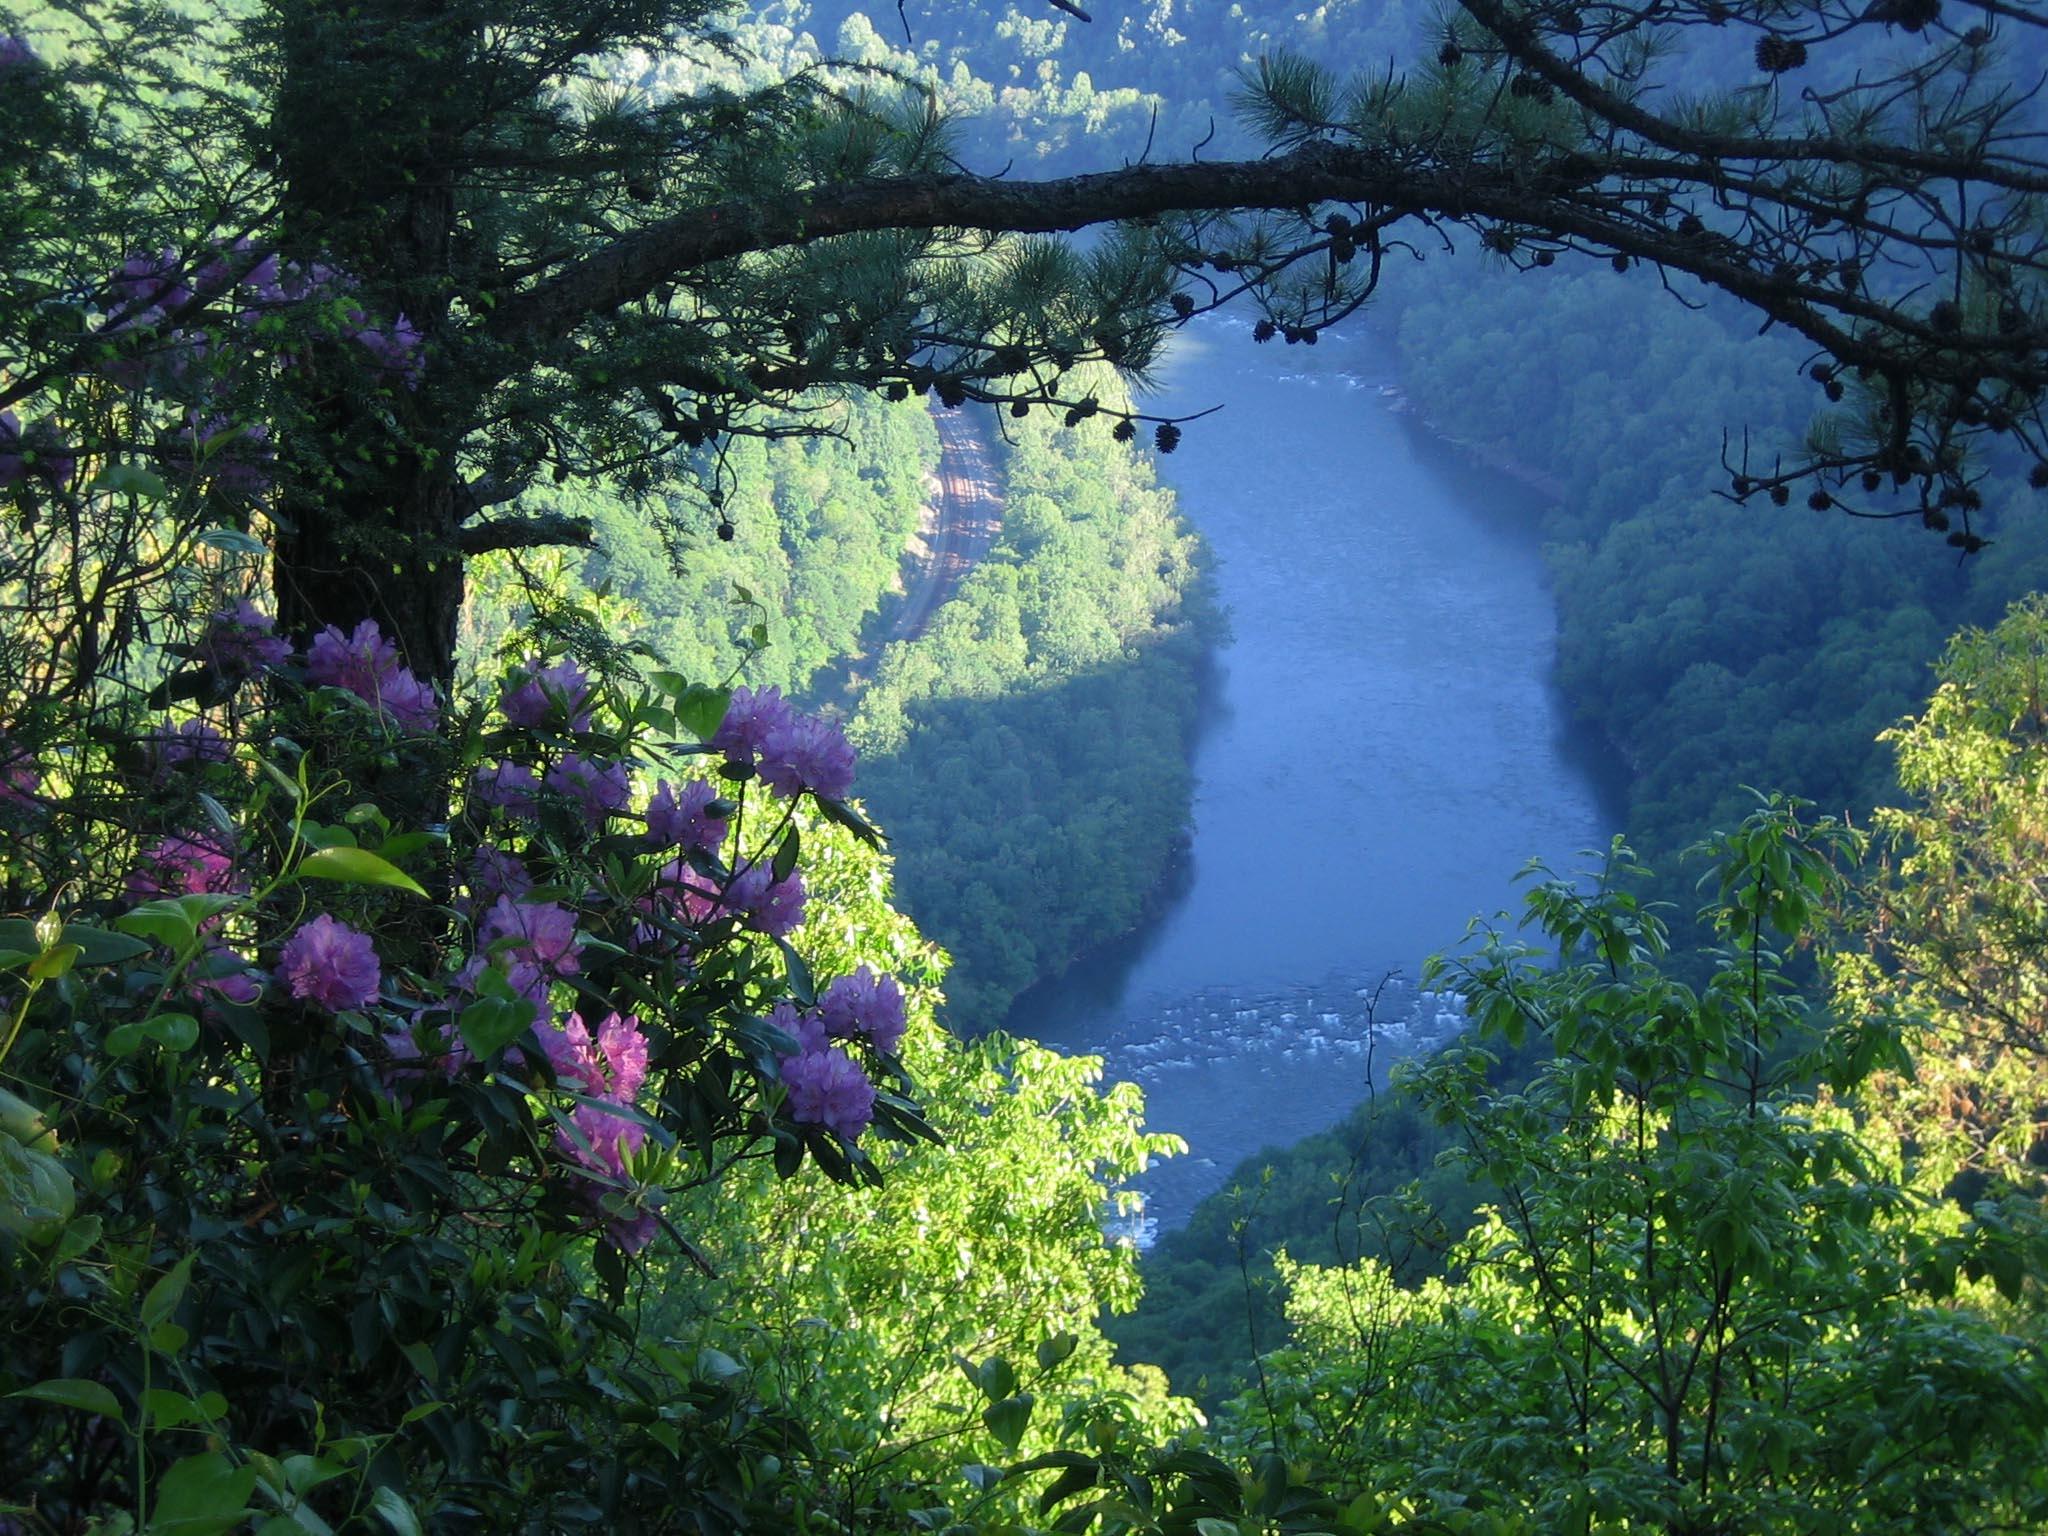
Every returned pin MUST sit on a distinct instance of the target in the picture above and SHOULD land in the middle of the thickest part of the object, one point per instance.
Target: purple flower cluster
(241, 641)
(331, 964)
(398, 348)
(181, 866)
(495, 874)
(507, 786)
(765, 904)
(826, 1086)
(532, 942)
(194, 744)
(366, 665)
(609, 1066)
(20, 778)
(682, 820)
(596, 789)
(865, 1006)
(222, 976)
(32, 451)
(15, 52)
(238, 459)
(534, 696)
(791, 752)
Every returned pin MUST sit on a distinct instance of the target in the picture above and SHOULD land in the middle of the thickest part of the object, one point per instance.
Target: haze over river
(1385, 750)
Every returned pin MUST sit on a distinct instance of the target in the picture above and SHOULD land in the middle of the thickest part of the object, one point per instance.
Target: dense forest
(461, 1067)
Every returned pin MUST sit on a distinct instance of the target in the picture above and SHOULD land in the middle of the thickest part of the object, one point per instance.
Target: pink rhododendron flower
(410, 702)
(366, 664)
(222, 976)
(509, 786)
(145, 288)
(331, 964)
(806, 1029)
(610, 1066)
(20, 778)
(398, 348)
(770, 906)
(359, 662)
(533, 697)
(495, 873)
(182, 866)
(241, 641)
(865, 1005)
(239, 460)
(807, 752)
(539, 945)
(827, 1087)
(749, 718)
(680, 820)
(192, 743)
(596, 789)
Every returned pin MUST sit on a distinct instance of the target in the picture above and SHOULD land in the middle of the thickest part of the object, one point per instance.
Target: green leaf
(164, 1296)
(130, 480)
(799, 973)
(69, 1392)
(233, 541)
(1055, 1350)
(491, 1023)
(701, 710)
(996, 1378)
(168, 1410)
(1008, 1419)
(1209, 1525)
(787, 855)
(202, 1495)
(357, 866)
(175, 1032)
(54, 962)
(389, 1505)
(95, 945)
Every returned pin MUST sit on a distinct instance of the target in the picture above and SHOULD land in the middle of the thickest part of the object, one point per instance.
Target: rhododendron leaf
(1008, 1419)
(357, 866)
(717, 1365)
(389, 1505)
(217, 813)
(799, 973)
(996, 1377)
(610, 1265)
(68, 1392)
(315, 834)
(96, 946)
(983, 1477)
(491, 1023)
(233, 541)
(844, 815)
(787, 855)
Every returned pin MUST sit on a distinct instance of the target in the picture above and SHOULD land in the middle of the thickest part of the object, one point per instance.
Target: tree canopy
(501, 269)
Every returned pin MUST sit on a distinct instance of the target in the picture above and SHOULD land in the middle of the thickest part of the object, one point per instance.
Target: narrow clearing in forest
(960, 524)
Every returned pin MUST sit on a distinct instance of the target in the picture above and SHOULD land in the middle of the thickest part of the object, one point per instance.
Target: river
(1385, 750)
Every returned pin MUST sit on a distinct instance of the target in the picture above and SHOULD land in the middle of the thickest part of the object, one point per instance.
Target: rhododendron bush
(398, 1109)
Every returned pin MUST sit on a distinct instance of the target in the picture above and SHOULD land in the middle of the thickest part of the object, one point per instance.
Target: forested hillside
(1030, 750)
